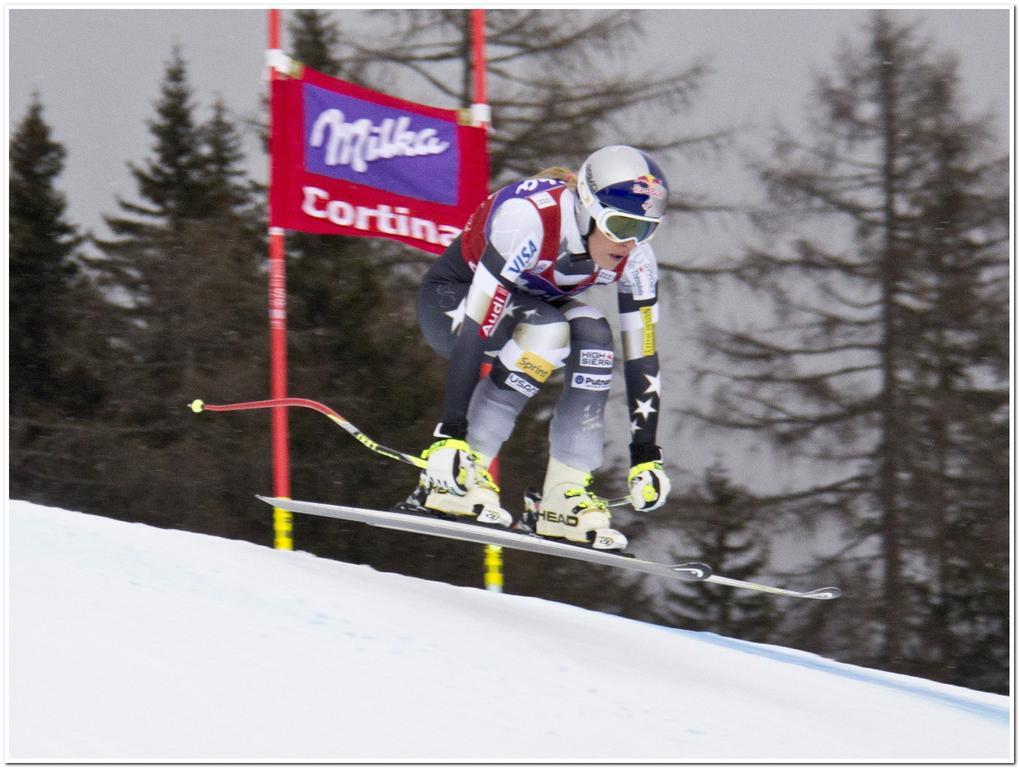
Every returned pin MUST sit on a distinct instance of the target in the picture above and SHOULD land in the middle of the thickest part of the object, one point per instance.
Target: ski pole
(299, 402)
(198, 406)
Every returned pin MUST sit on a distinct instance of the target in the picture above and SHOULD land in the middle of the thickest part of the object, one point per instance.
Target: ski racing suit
(506, 288)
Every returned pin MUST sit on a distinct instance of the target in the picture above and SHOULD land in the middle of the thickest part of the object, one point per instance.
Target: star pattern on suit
(644, 408)
(456, 316)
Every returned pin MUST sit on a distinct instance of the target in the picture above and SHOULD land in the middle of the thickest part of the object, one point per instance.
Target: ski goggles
(623, 227)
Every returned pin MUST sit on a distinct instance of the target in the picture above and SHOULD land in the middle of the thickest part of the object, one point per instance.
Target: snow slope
(132, 643)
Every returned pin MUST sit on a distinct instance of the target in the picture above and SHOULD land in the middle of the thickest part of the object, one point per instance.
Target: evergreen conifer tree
(42, 267)
(228, 191)
(59, 356)
(186, 265)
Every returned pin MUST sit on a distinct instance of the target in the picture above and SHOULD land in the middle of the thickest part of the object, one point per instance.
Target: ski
(503, 537)
(432, 525)
(823, 593)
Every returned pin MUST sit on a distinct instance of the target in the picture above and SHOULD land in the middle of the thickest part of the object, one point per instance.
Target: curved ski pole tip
(825, 593)
(197, 406)
(696, 571)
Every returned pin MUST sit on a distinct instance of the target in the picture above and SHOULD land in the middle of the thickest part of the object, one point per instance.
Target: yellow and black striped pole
(493, 568)
(283, 529)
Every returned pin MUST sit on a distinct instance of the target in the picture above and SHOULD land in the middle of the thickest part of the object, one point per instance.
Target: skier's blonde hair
(558, 172)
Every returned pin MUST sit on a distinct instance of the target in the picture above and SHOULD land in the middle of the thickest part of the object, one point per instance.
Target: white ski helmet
(623, 192)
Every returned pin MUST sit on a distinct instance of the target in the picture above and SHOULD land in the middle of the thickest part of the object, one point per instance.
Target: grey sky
(98, 73)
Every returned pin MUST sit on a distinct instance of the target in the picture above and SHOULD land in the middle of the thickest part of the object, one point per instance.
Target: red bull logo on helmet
(649, 185)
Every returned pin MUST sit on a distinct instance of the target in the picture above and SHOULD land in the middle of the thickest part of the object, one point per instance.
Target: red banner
(350, 161)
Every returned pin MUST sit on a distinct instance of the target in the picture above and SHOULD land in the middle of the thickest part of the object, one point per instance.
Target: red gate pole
(480, 110)
(282, 519)
(481, 114)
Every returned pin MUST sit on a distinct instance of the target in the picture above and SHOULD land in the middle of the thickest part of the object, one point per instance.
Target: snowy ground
(131, 643)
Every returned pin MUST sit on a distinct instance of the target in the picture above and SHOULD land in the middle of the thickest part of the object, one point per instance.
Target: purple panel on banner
(378, 146)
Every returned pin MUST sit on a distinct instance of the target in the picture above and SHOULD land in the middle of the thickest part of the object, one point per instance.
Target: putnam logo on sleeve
(596, 383)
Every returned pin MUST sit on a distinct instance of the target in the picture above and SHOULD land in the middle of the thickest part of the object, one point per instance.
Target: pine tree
(43, 268)
(871, 346)
(315, 40)
(186, 265)
(171, 181)
(227, 189)
(59, 357)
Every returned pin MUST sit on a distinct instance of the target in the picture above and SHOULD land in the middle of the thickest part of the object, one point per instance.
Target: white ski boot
(480, 499)
(570, 511)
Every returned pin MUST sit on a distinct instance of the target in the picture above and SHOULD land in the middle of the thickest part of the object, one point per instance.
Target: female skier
(505, 289)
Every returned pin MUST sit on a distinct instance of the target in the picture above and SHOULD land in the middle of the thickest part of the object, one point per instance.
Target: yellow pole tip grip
(198, 406)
